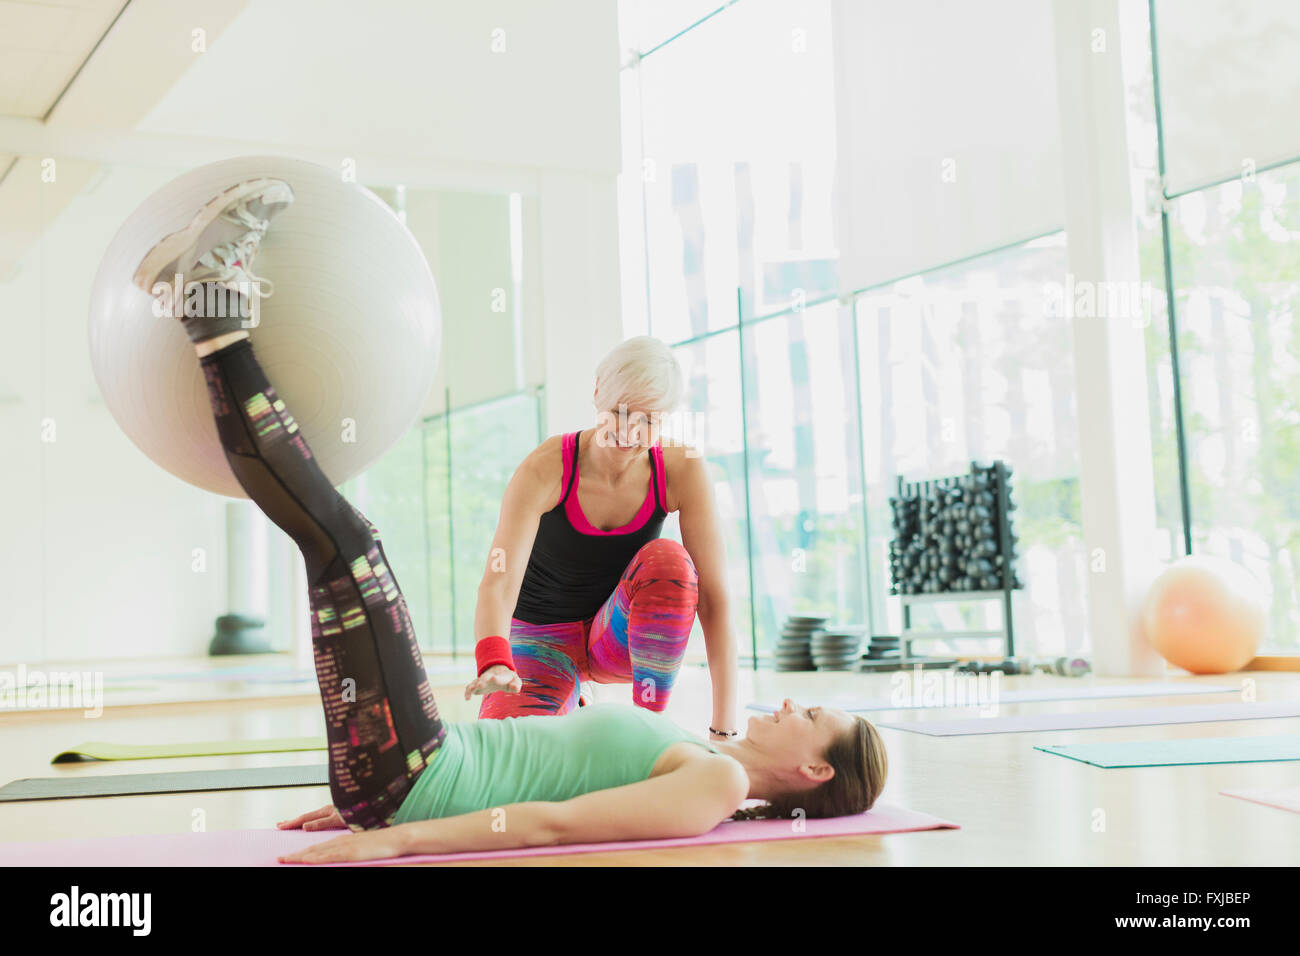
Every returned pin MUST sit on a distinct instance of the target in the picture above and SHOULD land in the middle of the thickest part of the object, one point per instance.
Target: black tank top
(574, 567)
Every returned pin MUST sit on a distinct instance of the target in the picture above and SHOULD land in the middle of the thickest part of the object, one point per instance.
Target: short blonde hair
(642, 374)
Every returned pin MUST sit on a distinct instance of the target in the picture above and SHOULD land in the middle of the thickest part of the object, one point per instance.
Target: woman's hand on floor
(498, 677)
(326, 818)
(367, 845)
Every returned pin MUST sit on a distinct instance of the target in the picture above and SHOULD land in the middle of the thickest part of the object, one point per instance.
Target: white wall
(508, 82)
(98, 540)
(578, 225)
(467, 238)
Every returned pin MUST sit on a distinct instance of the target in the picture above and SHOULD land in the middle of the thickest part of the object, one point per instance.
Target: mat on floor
(1085, 692)
(263, 847)
(252, 673)
(96, 750)
(1145, 717)
(1175, 753)
(256, 674)
(1280, 799)
(75, 786)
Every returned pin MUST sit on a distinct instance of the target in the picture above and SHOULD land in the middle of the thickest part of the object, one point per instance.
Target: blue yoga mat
(1175, 753)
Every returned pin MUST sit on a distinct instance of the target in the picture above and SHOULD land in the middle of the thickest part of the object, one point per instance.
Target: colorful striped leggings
(381, 723)
(638, 636)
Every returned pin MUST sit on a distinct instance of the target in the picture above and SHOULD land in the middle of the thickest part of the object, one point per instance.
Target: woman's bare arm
(692, 494)
(533, 490)
(687, 801)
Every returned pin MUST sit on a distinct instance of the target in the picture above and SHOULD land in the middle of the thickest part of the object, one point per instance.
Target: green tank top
(491, 763)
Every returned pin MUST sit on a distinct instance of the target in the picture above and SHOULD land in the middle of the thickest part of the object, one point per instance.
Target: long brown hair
(858, 758)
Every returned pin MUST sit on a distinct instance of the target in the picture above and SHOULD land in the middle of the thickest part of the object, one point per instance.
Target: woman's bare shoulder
(677, 453)
(682, 465)
(548, 453)
(542, 469)
(686, 753)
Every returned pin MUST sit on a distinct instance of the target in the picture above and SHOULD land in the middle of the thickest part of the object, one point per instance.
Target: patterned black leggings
(381, 721)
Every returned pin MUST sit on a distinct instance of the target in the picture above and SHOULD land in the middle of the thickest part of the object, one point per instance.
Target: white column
(1109, 354)
(303, 655)
(247, 559)
(581, 298)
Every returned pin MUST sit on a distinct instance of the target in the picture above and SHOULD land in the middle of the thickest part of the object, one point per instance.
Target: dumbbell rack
(1005, 633)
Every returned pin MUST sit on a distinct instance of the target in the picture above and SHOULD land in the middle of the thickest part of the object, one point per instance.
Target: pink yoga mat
(261, 847)
(1281, 799)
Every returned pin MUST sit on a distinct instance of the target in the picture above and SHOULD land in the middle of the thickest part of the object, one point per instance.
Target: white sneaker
(219, 243)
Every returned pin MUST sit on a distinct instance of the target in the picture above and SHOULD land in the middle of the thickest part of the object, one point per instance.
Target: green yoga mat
(207, 748)
(1175, 753)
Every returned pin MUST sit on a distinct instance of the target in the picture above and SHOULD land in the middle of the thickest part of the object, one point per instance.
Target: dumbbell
(1064, 666)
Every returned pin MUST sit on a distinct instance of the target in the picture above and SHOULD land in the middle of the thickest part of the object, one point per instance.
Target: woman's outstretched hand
(326, 818)
(367, 845)
(498, 677)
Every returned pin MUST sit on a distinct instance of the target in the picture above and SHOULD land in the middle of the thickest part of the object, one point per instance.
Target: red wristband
(492, 651)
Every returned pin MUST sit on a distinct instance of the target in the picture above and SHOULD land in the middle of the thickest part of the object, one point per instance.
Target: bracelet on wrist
(724, 733)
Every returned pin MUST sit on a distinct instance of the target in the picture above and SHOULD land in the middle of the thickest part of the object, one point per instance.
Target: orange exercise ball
(1206, 615)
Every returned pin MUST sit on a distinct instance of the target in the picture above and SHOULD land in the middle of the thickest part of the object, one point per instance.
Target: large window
(436, 495)
(1144, 178)
(729, 198)
(1235, 256)
(738, 154)
(969, 364)
(776, 424)
(805, 469)
(435, 498)
(1231, 260)
(734, 169)
(711, 368)
(812, 414)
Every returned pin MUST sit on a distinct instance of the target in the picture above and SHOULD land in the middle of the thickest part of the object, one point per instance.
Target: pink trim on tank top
(573, 509)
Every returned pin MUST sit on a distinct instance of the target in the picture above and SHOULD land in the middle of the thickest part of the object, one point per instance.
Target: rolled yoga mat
(209, 748)
(262, 847)
(1279, 799)
(76, 786)
(854, 705)
(1146, 717)
(1177, 753)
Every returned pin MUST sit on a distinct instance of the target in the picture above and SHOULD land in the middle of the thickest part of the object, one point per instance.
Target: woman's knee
(529, 702)
(545, 662)
(662, 575)
(664, 557)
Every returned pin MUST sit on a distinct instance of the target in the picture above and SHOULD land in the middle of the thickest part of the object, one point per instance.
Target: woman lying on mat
(611, 772)
(601, 596)
(411, 782)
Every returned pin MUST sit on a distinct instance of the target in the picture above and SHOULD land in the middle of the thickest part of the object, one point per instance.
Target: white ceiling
(43, 44)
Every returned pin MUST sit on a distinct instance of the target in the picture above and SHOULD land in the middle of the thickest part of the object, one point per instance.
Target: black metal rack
(997, 481)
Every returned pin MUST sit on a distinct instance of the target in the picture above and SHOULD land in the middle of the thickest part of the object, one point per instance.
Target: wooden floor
(1015, 805)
